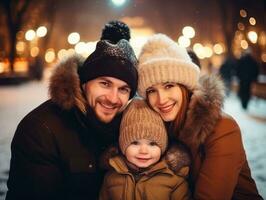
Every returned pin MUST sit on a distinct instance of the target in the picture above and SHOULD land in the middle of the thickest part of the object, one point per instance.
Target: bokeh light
(30, 35)
(188, 32)
(252, 36)
(73, 38)
(41, 31)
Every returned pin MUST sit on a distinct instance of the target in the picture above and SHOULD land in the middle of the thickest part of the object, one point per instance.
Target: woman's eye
(149, 91)
(168, 86)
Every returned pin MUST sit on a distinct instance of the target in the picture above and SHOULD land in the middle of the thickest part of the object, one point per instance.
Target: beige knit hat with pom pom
(162, 60)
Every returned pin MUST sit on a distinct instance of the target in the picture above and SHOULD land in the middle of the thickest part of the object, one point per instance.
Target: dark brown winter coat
(56, 147)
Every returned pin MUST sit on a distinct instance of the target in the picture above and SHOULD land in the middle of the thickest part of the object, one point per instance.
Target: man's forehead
(113, 80)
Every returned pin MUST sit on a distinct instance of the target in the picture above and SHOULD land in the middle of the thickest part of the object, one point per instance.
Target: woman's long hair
(177, 124)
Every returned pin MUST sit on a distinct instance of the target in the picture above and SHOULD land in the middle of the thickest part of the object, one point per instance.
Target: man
(57, 147)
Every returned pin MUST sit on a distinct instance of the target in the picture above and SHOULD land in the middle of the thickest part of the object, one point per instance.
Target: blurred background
(225, 37)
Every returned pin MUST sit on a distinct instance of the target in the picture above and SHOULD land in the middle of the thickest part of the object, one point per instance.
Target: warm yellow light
(73, 38)
(252, 21)
(30, 35)
(20, 47)
(41, 31)
(263, 57)
(262, 38)
(81, 47)
(34, 51)
(4, 66)
(19, 35)
(188, 32)
(241, 26)
(70, 52)
(244, 44)
(183, 41)
(243, 13)
(91, 47)
(208, 51)
(61, 54)
(199, 50)
(49, 55)
(218, 48)
(252, 36)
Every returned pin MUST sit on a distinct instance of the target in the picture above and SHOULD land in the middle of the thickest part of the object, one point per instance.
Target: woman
(192, 109)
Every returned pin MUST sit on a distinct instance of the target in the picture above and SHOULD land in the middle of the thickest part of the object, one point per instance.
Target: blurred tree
(21, 14)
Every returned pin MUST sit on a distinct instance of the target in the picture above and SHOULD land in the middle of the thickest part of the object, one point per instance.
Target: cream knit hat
(140, 122)
(162, 60)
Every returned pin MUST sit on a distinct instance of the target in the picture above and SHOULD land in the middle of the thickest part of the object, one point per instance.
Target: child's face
(143, 153)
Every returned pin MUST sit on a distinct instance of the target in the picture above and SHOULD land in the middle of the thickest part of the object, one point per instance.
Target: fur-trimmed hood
(64, 86)
(205, 109)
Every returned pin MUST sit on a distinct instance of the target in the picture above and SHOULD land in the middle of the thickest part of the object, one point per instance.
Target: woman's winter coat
(56, 147)
(157, 183)
(219, 165)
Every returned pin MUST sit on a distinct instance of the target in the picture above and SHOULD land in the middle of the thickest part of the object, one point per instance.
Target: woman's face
(166, 99)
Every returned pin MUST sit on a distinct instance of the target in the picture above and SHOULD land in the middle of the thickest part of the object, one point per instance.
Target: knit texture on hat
(114, 60)
(162, 60)
(140, 122)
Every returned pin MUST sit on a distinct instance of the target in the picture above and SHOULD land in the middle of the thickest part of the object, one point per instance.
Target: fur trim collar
(205, 109)
(64, 86)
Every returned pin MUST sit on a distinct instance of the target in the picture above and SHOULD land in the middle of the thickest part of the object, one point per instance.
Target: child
(140, 173)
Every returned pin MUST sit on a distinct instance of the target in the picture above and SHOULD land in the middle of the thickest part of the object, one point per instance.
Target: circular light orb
(243, 13)
(183, 41)
(81, 47)
(20, 46)
(218, 48)
(252, 36)
(61, 54)
(49, 55)
(252, 21)
(118, 2)
(41, 31)
(30, 35)
(244, 44)
(188, 32)
(34, 51)
(73, 38)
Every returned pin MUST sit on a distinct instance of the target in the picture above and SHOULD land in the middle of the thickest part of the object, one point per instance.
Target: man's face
(107, 96)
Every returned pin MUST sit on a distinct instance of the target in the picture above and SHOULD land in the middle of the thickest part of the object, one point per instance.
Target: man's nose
(113, 96)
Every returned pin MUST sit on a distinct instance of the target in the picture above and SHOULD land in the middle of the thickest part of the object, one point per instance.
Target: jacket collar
(205, 109)
(64, 87)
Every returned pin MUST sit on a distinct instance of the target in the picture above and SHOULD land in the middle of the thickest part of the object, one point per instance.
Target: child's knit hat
(141, 122)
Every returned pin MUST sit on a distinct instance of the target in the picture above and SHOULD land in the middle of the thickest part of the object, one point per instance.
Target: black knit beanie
(114, 58)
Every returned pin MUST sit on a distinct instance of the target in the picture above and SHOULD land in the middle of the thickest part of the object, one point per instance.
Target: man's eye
(124, 90)
(104, 83)
(135, 142)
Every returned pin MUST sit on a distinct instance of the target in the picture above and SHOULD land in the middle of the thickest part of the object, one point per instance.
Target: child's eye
(153, 143)
(135, 142)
